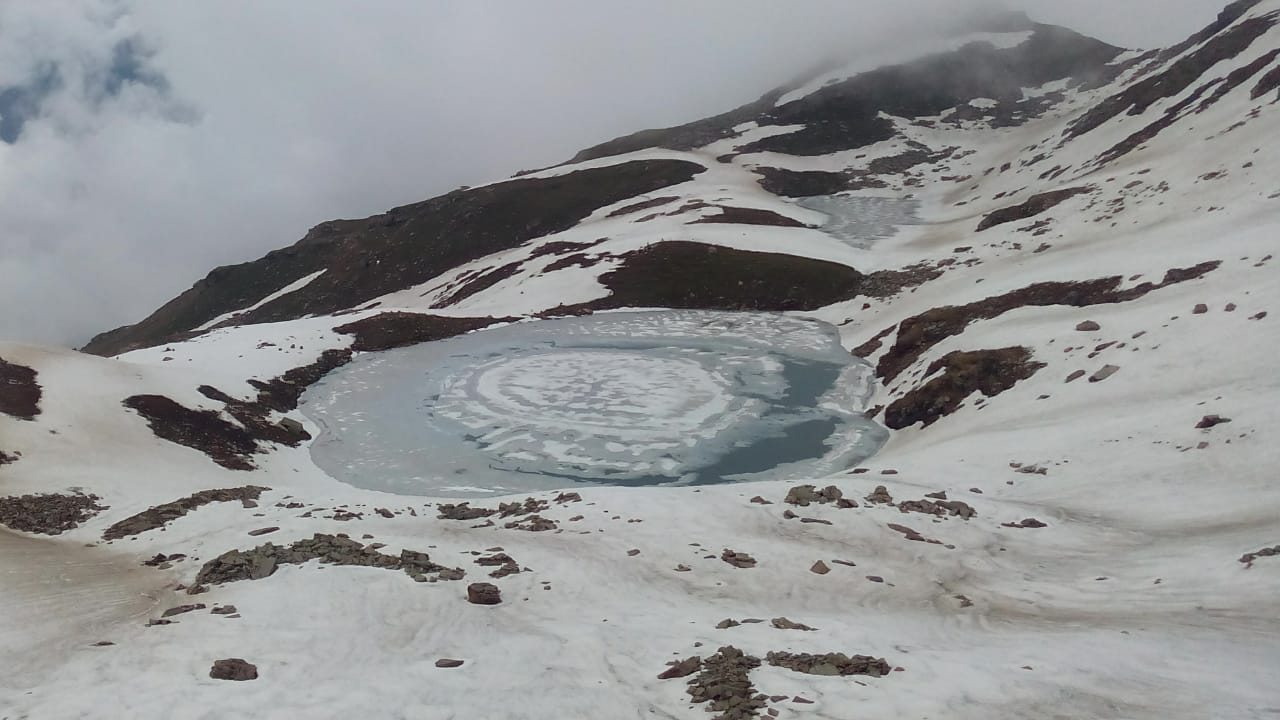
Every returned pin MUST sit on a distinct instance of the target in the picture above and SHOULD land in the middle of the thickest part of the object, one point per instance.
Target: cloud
(143, 143)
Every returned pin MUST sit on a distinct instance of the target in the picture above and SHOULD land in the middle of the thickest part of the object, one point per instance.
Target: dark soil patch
(582, 260)
(830, 664)
(749, 216)
(391, 330)
(1033, 206)
(1221, 44)
(19, 391)
(225, 443)
(161, 515)
(1267, 83)
(481, 282)
(560, 247)
(990, 372)
(919, 333)
(690, 275)
(407, 246)
(642, 205)
(807, 183)
(887, 283)
(265, 559)
(47, 513)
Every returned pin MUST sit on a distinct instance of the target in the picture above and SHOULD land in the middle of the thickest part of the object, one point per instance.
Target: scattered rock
(761, 501)
(462, 511)
(681, 668)
(782, 623)
(1026, 523)
(263, 531)
(483, 594)
(727, 623)
(1088, 326)
(804, 495)
(233, 669)
(1103, 373)
(725, 683)
(47, 513)
(738, 559)
(633, 552)
(1248, 558)
(224, 610)
(263, 560)
(880, 496)
(1200, 309)
(830, 664)
(1209, 421)
(875, 578)
(182, 609)
(1075, 375)
(819, 568)
(448, 663)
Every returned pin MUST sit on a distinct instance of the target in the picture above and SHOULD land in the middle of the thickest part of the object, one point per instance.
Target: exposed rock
(725, 683)
(1200, 309)
(681, 668)
(1209, 421)
(727, 623)
(1027, 523)
(880, 496)
(782, 623)
(263, 531)
(389, 330)
(1088, 326)
(19, 391)
(532, 523)
(919, 333)
(1075, 375)
(1033, 206)
(462, 511)
(505, 563)
(47, 513)
(1103, 373)
(830, 664)
(738, 559)
(264, 560)
(224, 610)
(803, 495)
(233, 669)
(483, 594)
(990, 372)
(182, 609)
(515, 509)
(819, 568)
(161, 515)
(761, 501)
(1248, 558)
(448, 663)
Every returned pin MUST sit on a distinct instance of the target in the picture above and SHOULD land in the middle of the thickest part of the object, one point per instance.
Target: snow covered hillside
(1055, 258)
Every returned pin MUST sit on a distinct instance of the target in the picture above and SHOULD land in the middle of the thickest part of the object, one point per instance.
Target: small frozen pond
(637, 398)
(861, 221)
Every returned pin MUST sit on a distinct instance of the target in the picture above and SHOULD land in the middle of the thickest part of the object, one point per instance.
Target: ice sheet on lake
(621, 398)
(861, 221)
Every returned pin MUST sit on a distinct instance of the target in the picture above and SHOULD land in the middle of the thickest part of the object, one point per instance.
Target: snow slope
(1130, 602)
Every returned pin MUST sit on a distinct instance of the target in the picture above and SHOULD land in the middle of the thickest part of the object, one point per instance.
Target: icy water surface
(672, 397)
(861, 221)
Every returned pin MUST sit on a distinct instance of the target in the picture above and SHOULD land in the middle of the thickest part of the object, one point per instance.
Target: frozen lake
(637, 398)
(860, 220)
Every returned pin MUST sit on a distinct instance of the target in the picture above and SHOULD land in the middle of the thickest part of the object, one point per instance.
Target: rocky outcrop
(264, 560)
(19, 391)
(160, 515)
(233, 669)
(990, 372)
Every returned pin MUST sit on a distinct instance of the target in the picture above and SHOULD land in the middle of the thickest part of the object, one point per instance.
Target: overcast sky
(144, 142)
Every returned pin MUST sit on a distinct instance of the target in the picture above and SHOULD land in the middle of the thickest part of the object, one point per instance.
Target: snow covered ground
(1127, 597)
